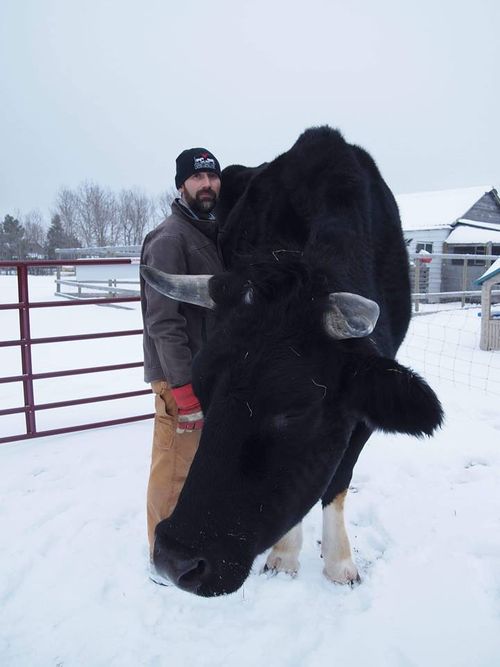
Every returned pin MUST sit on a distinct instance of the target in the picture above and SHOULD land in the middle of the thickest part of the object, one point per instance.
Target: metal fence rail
(427, 270)
(25, 342)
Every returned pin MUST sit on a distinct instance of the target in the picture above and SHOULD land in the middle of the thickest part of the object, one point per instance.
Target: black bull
(298, 371)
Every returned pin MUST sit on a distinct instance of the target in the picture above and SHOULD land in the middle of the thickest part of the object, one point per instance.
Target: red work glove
(190, 416)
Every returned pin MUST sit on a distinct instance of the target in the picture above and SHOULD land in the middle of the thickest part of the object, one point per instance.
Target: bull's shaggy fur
(287, 408)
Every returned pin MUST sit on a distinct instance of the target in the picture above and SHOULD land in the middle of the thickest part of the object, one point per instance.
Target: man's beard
(202, 203)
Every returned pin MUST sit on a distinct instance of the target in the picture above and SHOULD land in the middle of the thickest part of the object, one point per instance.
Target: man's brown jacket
(174, 331)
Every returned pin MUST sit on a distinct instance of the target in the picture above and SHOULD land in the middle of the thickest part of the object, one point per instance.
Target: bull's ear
(391, 397)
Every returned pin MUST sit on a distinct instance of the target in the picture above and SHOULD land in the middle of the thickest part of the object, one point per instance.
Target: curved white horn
(350, 316)
(190, 289)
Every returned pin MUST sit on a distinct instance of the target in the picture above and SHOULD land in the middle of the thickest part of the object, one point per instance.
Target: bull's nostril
(194, 574)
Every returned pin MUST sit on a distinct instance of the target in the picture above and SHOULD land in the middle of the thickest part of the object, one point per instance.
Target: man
(184, 243)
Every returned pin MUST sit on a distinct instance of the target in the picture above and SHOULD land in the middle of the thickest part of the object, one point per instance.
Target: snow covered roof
(473, 235)
(437, 209)
(477, 223)
(494, 270)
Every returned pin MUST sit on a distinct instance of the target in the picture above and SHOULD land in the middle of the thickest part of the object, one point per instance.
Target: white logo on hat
(204, 162)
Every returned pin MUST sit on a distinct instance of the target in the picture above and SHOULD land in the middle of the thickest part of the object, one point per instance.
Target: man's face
(200, 191)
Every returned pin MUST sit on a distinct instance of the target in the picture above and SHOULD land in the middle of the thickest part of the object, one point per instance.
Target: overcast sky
(113, 90)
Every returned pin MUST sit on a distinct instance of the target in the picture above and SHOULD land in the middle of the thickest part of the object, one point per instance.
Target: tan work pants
(171, 459)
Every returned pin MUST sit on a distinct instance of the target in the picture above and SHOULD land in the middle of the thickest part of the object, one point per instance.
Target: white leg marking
(335, 547)
(284, 556)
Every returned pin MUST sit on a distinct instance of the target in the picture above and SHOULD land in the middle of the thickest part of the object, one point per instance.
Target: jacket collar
(207, 226)
(190, 213)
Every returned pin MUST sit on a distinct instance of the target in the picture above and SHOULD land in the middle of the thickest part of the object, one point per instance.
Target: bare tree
(164, 201)
(135, 214)
(114, 234)
(35, 217)
(96, 215)
(66, 207)
(34, 233)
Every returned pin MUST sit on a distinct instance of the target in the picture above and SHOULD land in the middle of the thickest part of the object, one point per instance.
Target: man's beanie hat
(193, 160)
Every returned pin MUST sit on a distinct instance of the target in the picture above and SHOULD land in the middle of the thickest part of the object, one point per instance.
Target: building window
(424, 246)
(469, 250)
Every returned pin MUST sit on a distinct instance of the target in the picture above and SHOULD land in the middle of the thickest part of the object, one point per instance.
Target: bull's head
(285, 377)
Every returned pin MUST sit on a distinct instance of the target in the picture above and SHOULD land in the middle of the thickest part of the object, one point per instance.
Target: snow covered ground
(423, 517)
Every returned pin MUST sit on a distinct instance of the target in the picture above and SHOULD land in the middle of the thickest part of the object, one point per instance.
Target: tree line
(83, 217)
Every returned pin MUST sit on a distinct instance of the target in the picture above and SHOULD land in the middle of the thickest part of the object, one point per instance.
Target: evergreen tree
(11, 239)
(58, 238)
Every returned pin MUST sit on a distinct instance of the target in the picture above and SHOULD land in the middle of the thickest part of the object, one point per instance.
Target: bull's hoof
(343, 572)
(275, 564)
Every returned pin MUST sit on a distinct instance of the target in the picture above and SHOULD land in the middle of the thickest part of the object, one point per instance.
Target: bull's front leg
(284, 556)
(335, 547)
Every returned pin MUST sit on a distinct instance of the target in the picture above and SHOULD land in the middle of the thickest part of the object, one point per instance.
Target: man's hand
(190, 416)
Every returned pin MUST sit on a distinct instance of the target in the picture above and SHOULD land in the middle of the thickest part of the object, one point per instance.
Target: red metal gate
(26, 342)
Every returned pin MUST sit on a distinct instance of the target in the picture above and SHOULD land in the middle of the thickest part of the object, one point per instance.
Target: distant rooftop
(437, 209)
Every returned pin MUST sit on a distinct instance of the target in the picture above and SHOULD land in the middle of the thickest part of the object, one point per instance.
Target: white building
(452, 221)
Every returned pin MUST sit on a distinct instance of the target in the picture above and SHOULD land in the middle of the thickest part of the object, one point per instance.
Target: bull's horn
(190, 289)
(350, 316)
